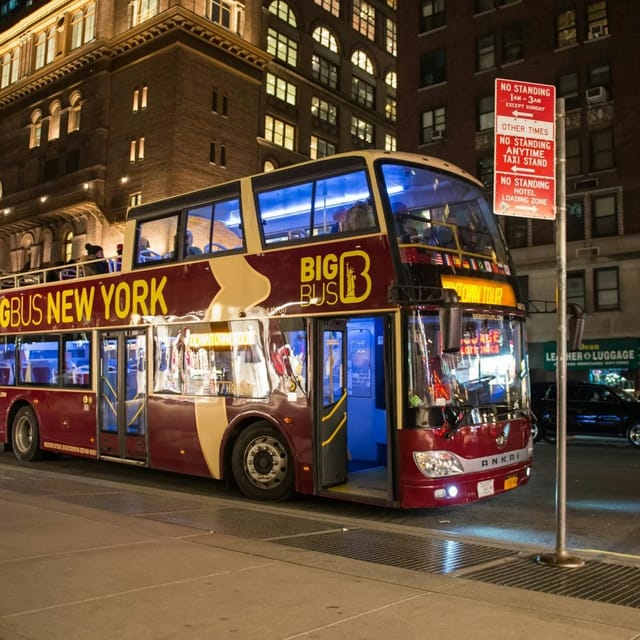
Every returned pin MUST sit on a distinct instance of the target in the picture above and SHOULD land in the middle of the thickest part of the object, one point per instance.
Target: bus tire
(25, 436)
(262, 464)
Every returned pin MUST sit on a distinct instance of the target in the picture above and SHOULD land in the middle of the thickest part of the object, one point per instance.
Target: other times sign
(525, 149)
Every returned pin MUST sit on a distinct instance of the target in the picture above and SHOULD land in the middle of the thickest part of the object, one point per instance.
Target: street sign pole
(561, 557)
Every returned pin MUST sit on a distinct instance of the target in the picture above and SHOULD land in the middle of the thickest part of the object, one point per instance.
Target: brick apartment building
(589, 50)
(105, 104)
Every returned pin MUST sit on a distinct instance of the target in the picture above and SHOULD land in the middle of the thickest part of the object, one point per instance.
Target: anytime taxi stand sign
(525, 149)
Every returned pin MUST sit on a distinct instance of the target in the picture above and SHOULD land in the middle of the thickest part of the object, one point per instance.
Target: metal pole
(561, 557)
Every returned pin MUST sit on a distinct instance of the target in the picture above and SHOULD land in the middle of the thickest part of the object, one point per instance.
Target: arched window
(89, 22)
(5, 70)
(55, 111)
(67, 246)
(75, 105)
(391, 80)
(282, 9)
(269, 165)
(15, 65)
(325, 37)
(76, 29)
(51, 45)
(361, 60)
(35, 129)
(41, 50)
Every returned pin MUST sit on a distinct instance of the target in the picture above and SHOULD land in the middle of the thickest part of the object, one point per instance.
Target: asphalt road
(602, 510)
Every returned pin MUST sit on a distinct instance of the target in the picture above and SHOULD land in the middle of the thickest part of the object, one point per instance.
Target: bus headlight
(437, 464)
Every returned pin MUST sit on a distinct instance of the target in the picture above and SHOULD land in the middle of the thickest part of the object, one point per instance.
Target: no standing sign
(525, 149)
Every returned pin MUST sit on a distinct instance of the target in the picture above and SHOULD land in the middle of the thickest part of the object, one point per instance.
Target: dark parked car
(592, 410)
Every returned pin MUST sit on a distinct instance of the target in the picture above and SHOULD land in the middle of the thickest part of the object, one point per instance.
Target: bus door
(122, 396)
(331, 422)
(352, 429)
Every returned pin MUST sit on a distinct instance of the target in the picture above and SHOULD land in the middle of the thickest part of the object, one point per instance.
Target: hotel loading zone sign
(525, 149)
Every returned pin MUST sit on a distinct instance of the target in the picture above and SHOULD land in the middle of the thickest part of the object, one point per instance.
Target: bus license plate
(510, 483)
(485, 488)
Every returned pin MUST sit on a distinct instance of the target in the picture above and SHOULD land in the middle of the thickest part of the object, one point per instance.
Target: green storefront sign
(621, 353)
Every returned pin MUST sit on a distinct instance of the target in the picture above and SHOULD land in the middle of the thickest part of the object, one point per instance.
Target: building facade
(105, 104)
(588, 50)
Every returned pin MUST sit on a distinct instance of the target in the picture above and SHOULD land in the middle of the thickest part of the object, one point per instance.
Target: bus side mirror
(451, 322)
(576, 326)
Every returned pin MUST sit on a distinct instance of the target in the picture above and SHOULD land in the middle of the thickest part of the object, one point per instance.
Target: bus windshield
(434, 208)
(487, 377)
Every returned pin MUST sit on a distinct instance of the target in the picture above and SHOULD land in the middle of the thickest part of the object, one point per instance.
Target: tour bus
(348, 327)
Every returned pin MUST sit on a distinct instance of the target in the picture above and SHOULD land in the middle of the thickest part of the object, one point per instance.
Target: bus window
(76, 363)
(39, 360)
(7, 360)
(211, 359)
(156, 240)
(313, 208)
(214, 227)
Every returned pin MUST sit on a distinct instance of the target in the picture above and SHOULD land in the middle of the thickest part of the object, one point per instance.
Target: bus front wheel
(25, 436)
(262, 464)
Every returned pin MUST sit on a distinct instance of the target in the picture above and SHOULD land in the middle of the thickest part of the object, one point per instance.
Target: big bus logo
(333, 279)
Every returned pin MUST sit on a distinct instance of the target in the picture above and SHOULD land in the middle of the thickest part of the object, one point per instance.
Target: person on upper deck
(96, 264)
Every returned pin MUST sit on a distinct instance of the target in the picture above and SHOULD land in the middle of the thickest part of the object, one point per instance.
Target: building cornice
(175, 18)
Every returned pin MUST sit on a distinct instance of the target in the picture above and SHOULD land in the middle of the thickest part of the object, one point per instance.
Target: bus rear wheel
(25, 436)
(262, 464)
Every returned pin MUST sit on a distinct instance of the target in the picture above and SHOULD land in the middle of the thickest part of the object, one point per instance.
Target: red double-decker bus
(348, 327)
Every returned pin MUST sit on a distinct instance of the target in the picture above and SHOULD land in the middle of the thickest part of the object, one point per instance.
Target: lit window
(76, 29)
(5, 70)
(320, 148)
(332, 6)
(75, 105)
(136, 100)
(15, 65)
(597, 20)
(282, 47)
(141, 10)
(389, 142)
(41, 50)
(391, 80)
(324, 71)
(281, 89)
(279, 132)
(135, 199)
(391, 37)
(364, 18)
(361, 129)
(390, 109)
(324, 111)
(282, 9)
(362, 93)
(35, 129)
(325, 37)
(227, 13)
(566, 28)
(54, 120)
(362, 61)
(136, 149)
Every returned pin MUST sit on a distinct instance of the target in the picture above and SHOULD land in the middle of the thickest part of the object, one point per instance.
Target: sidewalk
(70, 571)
